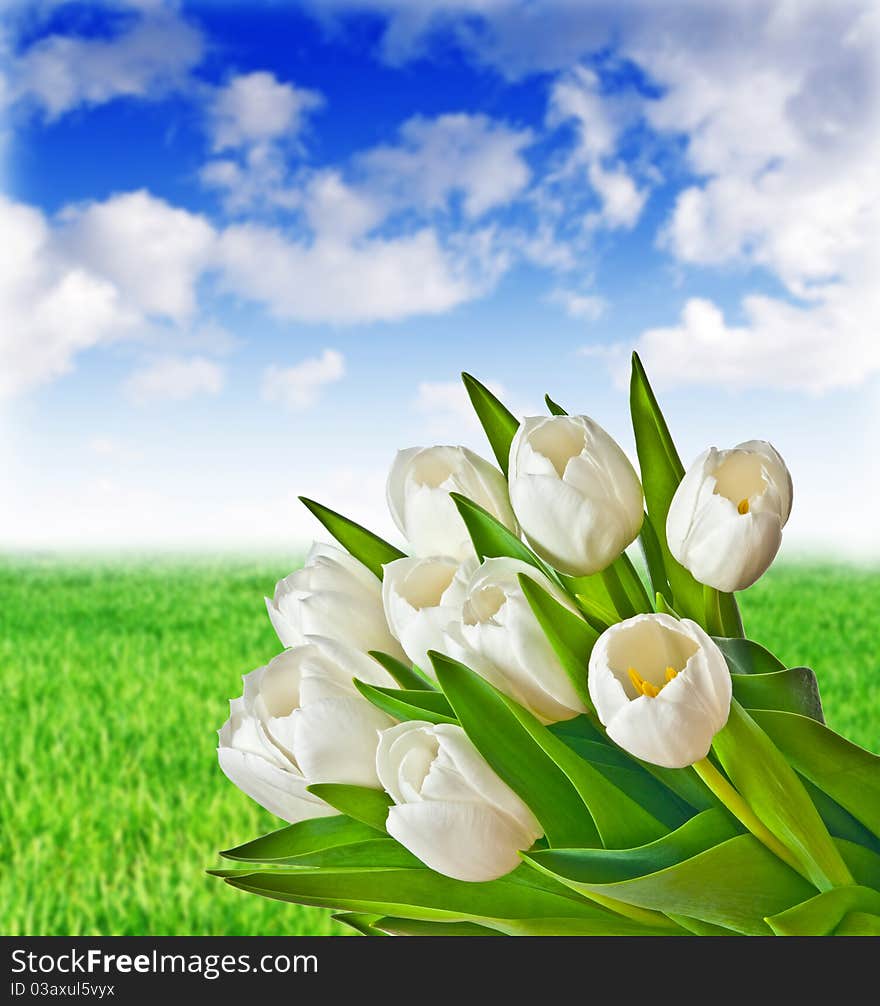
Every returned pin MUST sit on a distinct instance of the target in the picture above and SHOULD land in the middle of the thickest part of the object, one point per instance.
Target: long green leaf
(653, 554)
(570, 636)
(499, 423)
(735, 883)
(360, 922)
(314, 835)
(553, 408)
(846, 772)
(424, 894)
(501, 730)
(744, 656)
(821, 915)
(370, 806)
(775, 794)
(405, 676)
(404, 704)
(859, 924)
(794, 690)
(491, 538)
(388, 925)
(369, 548)
(662, 471)
(515, 756)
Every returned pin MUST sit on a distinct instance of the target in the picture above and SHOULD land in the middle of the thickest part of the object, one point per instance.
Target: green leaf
(424, 894)
(498, 422)
(839, 822)
(314, 835)
(405, 676)
(794, 690)
(376, 854)
(662, 606)
(863, 864)
(653, 554)
(370, 806)
(821, 915)
(360, 922)
(744, 656)
(775, 794)
(404, 704)
(598, 616)
(369, 548)
(511, 739)
(570, 636)
(388, 925)
(491, 538)
(662, 471)
(513, 754)
(858, 924)
(733, 883)
(846, 772)
(553, 408)
(627, 774)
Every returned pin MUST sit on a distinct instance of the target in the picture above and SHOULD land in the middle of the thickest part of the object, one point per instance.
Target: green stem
(617, 592)
(712, 612)
(731, 619)
(744, 813)
(635, 588)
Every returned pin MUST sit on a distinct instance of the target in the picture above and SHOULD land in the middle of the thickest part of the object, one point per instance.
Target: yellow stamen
(644, 687)
(743, 506)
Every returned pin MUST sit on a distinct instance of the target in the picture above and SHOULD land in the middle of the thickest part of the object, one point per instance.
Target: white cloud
(255, 108)
(338, 278)
(470, 155)
(153, 252)
(175, 378)
(585, 307)
(52, 308)
(150, 57)
(299, 387)
(599, 122)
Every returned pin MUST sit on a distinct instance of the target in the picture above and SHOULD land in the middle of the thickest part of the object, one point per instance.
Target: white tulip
(422, 597)
(419, 485)
(574, 492)
(726, 518)
(302, 721)
(661, 687)
(499, 637)
(450, 809)
(335, 596)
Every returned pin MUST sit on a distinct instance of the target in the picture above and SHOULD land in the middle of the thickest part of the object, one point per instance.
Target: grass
(115, 678)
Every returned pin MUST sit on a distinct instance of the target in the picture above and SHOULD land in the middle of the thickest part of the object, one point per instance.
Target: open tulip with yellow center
(725, 521)
(574, 492)
(661, 687)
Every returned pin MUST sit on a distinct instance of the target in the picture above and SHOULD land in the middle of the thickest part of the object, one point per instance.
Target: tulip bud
(574, 492)
(726, 518)
(334, 596)
(302, 721)
(661, 687)
(450, 809)
(422, 597)
(419, 485)
(499, 637)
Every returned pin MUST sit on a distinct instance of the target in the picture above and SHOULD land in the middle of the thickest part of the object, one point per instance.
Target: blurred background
(245, 251)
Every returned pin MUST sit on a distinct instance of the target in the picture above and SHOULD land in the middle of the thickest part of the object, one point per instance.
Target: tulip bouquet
(509, 730)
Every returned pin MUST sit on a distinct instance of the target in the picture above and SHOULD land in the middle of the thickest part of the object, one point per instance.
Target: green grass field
(115, 679)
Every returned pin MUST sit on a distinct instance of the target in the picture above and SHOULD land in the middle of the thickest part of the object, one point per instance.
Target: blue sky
(248, 248)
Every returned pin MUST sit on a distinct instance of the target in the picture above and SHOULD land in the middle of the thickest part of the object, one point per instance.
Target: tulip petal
(281, 793)
(466, 841)
(336, 741)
